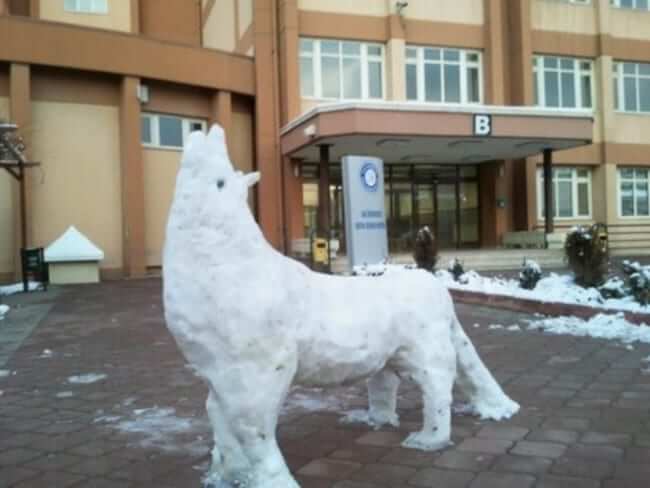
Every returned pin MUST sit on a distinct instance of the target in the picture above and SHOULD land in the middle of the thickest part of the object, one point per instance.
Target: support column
(4, 7)
(548, 191)
(267, 124)
(324, 191)
(222, 112)
(20, 112)
(135, 16)
(132, 172)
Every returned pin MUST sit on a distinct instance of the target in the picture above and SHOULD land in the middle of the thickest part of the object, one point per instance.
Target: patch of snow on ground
(4, 310)
(47, 353)
(18, 288)
(553, 288)
(318, 399)
(4, 373)
(495, 326)
(600, 326)
(64, 394)
(513, 328)
(86, 379)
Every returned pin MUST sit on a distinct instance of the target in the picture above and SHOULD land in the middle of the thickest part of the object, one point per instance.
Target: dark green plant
(530, 274)
(638, 278)
(425, 251)
(456, 269)
(586, 252)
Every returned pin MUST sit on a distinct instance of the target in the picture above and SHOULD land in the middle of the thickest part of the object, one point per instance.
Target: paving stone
(329, 468)
(383, 474)
(502, 480)
(386, 439)
(410, 457)
(504, 432)
(17, 455)
(539, 449)
(52, 461)
(58, 479)
(10, 475)
(468, 461)
(439, 477)
(558, 436)
(583, 468)
(361, 454)
(595, 452)
(633, 470)
(566, 482)
(489, 446)
(522, 464)
(637, 454)
(606, 438)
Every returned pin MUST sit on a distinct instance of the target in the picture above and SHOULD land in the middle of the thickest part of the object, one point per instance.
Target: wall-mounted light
(400, 6)
(143, 93)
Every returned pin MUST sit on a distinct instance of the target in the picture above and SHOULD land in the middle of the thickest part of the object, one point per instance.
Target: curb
(555, 309)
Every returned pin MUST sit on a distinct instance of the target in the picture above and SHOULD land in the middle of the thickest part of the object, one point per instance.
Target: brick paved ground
(585, 420)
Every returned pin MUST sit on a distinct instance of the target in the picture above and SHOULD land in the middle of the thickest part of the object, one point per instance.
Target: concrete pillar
(20, 113)
(267, 124)
(396, 70)
(324, 191)
(132, 172)
(222, 112)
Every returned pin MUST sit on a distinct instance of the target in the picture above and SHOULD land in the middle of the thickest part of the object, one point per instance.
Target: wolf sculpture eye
(221, 183)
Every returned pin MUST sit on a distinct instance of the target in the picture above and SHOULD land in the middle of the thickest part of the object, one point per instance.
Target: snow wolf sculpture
(252, 322)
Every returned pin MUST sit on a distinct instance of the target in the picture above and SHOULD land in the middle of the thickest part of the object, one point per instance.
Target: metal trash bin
(320, 251)
(34, 267)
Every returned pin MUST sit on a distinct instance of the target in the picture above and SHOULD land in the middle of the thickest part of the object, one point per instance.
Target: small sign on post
(365, 217)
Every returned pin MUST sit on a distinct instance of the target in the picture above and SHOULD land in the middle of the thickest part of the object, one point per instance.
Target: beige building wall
(365, 7)
(551, 15)
(631, 24)
(454, 11)
(118, 16)
(78, 182)
(219, 27)
(6, 209)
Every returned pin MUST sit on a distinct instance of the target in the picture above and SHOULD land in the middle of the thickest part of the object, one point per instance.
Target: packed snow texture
(253, 321)
(553, 288)
(86, 379)
(4, 310)
(18, 288)
(601, 326)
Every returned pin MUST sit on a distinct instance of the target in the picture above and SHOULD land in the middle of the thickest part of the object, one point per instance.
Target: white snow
(495, 326)
(601, 326)
(72, 245)
(18, 288)
(4, 373)
(86, 379)
(47, 353)
(553, 288)
(64, 394)
(253, 321)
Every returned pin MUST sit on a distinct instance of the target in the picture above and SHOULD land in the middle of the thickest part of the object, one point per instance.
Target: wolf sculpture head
(208, 189)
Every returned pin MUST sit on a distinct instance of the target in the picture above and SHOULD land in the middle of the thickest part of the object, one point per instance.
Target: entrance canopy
(432, 133)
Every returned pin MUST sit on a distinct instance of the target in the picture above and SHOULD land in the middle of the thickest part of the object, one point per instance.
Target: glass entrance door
(447, 221)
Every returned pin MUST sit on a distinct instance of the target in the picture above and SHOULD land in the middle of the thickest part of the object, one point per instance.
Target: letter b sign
(482, 125)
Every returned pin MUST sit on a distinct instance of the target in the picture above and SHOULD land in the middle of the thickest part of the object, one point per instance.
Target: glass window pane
(641, 174)
(536, 94)
(568, 90)
(472, 57)
(374, 50)
(566, 63)
(307, 77)
(552, 89)
(629, 92)
(330, 77)
(171, 131)
(629, 68)
(375, 80)
(432, 84)
(550, 62)
(329, 47)
(563, 173)
(452, 83)
(411, 52)
(627, 3)
(642, 4)
(564, 199)
(145, 129)
(615, 86)
(351, 78)
(473, 93)
(84, 5)
(586, 91)
(583, 173)
(352, 48)
(432, 54)
(306, 46)
(627, 199)
(583, 199)
(644, 69)
(451, 55)
(627, 173)
(644, 94)
(70, 5)
(411, 82)
(641, 194)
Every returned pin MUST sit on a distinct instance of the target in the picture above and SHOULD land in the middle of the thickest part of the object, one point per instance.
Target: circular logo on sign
(369, 176)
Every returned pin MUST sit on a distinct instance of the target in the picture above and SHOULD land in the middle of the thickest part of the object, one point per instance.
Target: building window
(633, 192)
(86, 6)
(579, 2)
(341, 69)
(571, 193)
(443, 75)
(563, 82)
(167, 131)
(632, 87)
(635, 4)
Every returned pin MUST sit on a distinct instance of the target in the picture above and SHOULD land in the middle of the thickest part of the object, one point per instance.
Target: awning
(433, 133)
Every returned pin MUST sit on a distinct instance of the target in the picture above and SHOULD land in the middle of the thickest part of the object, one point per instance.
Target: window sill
(162, 148)
(637, 114)
(76, 12)
(570, 109)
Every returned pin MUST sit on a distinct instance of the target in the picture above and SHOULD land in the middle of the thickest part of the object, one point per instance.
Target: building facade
(105, 91)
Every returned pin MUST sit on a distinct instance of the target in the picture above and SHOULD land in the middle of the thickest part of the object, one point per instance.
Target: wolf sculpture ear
(252, 178)
(217, 147)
